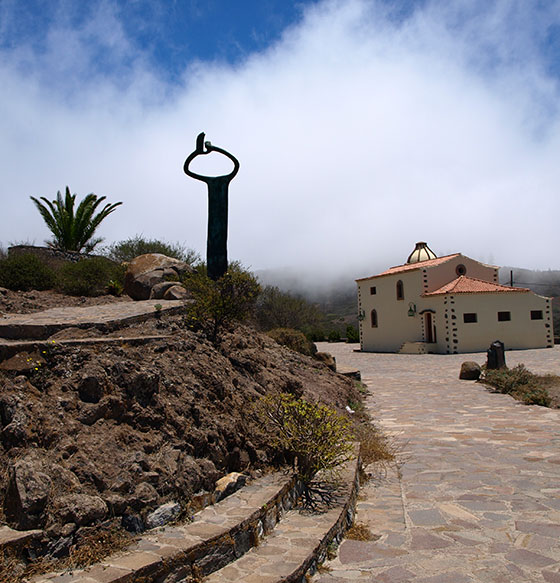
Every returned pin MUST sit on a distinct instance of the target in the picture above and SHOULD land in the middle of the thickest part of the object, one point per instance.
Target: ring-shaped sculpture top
(201, 151)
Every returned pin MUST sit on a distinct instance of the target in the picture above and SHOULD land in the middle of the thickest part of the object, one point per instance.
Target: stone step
(299, 543)
(11, 539)
(217, 535)
(9, 348)
(107, 317)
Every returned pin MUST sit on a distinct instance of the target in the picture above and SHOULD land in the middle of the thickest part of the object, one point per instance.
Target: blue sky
(361, 125)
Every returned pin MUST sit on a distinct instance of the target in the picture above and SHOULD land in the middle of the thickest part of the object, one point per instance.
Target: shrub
(520, 383)
(91, 277)
(25, 272)
(219, 303)
(278, 309)
(316, 335)
(127, 250)
(507, 380)
(317, 436)
(334, 336)
(352, 335)
(293, 339)
(375, 446)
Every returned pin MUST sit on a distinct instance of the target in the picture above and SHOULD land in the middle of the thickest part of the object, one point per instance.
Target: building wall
(435, 277)
(454, 335)
(517, 333)
(394, 325)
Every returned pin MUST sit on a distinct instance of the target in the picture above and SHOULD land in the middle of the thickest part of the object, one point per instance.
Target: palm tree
(73, 232)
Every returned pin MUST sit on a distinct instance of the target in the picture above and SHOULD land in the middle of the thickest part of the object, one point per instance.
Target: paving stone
(476, 494)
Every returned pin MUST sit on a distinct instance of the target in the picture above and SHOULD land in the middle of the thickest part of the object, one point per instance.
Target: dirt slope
(114, 431)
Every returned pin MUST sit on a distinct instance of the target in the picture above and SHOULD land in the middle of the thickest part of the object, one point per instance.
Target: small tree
(352, 335)
(73, 231)
(219, 303)
(320, 438)
(278, 309)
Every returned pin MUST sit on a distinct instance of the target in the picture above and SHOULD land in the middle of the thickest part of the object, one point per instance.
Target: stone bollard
(496, 357)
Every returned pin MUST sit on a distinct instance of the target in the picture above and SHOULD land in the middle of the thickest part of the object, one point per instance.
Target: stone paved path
(477, 495)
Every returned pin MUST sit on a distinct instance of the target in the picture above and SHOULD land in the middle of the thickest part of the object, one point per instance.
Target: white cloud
(358, 134)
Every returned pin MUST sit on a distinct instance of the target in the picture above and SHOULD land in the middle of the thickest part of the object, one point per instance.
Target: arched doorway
(429, 328)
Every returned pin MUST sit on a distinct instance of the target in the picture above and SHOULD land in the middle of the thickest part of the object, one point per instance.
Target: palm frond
(73, 231)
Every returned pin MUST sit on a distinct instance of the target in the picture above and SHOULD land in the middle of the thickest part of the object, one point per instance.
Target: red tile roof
(413, 266)
(470, 285)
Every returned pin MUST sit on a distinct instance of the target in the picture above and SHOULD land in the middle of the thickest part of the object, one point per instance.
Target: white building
(448, 305)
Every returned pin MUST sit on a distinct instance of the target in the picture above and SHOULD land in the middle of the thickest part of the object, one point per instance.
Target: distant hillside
(544, 283)
(336, 296)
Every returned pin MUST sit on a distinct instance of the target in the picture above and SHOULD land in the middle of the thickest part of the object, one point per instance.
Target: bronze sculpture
(216, 246)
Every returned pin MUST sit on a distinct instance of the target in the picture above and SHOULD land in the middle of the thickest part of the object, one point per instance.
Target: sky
(361, 126)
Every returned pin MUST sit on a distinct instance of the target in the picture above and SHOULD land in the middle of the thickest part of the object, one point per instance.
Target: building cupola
(421, 253)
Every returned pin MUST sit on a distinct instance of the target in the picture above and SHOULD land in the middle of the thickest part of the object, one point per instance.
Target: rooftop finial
(421, 253)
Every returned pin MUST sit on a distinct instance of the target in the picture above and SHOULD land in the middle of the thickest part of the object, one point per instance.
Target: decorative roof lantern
(421, 253)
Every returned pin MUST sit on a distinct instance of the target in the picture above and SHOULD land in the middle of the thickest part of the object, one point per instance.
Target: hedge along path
(477, 497)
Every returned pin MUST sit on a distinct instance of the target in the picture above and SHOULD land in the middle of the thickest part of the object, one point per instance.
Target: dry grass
(361, 531)
(91, 549)
(375, 446)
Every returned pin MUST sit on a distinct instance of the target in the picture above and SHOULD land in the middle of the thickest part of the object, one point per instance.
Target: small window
(461, 269)
(469, 318)
(504, 316)
(374, 318)
(400, 290)
(372, 290)
(536, 315)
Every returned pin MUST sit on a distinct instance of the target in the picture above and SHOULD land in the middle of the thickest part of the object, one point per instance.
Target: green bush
(520, 383)
(219, 303)
(25, 272)
(316, 335)
(278, 309)
(334, 336)
(352, 335)
(320, 438)
(507, 380)
(293, 339)
(91, 277)
(127, 250)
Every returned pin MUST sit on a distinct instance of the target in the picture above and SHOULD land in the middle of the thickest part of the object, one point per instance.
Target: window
(536, 315)
(469, 318)
(504, 316)
(374, 318)
(372, 290)
(460, 269)
(400, 290)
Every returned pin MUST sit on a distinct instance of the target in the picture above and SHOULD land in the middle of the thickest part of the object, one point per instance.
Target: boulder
(23, 362)
(144, 495)
(470, 371)
(163, 514)
(115, 502)
(228, 485)
(27, 494)
(177, 292)
(80, 509)
(90, 388)
(146, 271)
(158, 290)
(327, 359)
